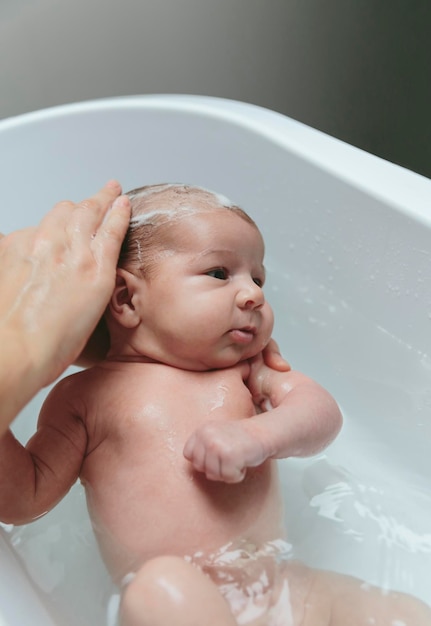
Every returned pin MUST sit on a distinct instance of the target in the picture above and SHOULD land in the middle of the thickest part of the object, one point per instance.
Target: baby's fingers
(216, 461)
(223, 468)
(231, 473)
(194, 452)
(273, 358)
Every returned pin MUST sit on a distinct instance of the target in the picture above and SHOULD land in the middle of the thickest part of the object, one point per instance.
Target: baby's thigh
(310, 603)
(337, 600)
(268, 592)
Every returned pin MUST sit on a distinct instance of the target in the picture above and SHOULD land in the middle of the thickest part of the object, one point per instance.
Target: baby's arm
(35, 477)
(299, 418)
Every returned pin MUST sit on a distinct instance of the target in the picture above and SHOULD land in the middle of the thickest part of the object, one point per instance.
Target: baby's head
(189, 281)
(156, 209)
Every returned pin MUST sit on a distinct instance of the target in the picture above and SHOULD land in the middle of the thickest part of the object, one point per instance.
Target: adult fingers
(85, 216)
(112, 231)
(92, 211)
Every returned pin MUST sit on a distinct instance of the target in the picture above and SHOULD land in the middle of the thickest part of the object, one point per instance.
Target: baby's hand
(224, 450)
(273, 359)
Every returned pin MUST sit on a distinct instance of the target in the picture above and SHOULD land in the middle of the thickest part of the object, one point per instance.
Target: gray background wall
(356, 69)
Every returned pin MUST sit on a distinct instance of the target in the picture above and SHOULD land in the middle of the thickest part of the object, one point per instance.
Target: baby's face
(204, 306)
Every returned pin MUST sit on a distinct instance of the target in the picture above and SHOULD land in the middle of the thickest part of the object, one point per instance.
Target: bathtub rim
(406, 191)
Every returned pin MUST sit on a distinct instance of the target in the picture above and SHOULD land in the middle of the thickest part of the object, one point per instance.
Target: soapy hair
(155, 209)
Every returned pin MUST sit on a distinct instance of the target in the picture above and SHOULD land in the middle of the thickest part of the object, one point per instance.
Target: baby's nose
(251, 296)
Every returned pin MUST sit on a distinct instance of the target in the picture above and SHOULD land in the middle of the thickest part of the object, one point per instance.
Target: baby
(175, 435)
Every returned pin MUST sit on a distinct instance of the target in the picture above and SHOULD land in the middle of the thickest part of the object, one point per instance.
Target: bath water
(361, 508)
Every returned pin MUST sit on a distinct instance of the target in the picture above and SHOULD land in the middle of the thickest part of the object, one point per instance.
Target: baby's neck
(129, 358)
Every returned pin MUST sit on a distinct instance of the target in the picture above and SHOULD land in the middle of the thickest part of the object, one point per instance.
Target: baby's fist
(223, 450)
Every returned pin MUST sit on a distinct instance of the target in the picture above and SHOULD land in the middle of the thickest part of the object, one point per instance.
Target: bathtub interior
(348, 277)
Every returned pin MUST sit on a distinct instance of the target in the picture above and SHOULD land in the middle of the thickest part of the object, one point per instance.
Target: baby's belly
(158, 510)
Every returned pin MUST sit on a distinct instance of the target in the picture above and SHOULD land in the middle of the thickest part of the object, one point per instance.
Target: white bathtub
(348, 251)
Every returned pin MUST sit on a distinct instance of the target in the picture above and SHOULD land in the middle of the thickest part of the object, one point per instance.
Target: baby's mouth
(243, 335)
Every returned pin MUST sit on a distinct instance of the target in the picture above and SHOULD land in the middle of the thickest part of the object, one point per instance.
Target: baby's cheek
(269, 314)
(267, 327)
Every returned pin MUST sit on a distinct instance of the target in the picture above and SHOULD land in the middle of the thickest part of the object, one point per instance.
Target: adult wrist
(20, 377)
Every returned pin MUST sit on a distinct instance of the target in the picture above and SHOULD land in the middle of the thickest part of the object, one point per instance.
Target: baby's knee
(156, 584)
(157, 569)
(156, 580)
(169, 590)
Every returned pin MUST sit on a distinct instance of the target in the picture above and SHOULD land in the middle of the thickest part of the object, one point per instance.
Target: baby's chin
(223, 361)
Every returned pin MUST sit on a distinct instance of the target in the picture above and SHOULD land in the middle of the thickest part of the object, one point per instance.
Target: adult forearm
(19, 380)
(55, 282)
(18, 502)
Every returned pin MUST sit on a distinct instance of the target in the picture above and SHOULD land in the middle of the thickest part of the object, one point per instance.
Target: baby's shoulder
(77, 383)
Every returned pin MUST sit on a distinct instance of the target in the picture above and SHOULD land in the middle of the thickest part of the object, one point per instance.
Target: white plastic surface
(348, 255)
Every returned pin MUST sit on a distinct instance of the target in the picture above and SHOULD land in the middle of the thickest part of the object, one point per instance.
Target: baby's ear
(121, 305)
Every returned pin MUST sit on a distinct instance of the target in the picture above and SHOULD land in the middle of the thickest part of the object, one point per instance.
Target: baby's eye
(258, 282)
(218, 272)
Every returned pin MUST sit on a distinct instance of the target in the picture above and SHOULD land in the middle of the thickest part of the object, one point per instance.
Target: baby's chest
(214, 395)
(175, 407)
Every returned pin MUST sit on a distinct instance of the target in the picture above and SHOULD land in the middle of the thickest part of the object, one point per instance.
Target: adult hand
(55, 282)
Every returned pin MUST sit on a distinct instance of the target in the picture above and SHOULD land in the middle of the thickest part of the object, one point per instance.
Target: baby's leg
(168, 590)
(347, 601)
